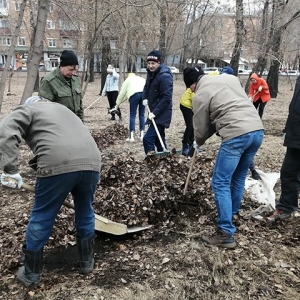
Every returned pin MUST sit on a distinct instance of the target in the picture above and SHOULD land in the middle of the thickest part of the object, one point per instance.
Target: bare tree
(36, 52)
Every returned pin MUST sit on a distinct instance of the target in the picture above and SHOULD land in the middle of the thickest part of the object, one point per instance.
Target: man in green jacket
(62, 85)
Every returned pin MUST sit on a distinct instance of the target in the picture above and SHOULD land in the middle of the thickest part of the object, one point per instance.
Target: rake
(165, 152)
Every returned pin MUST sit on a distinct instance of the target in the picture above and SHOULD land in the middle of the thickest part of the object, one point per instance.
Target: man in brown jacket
(221, 103)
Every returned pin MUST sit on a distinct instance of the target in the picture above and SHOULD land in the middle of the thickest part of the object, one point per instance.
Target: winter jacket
(292, 127)
(222, 103)
(59, 140)
(111, 83)
(56, 88)
(158, 91)
(131, 85)
(186, 99)
(264, 95)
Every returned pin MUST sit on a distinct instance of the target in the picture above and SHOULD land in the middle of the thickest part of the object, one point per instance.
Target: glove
(151, 116)
(260, 88)
(196, 146)
(250, 99)
(17, 182)
(145, 102)
(114, 109)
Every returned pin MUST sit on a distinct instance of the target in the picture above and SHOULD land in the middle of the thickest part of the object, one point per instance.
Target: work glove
(260, 88)
(114, 109)
(145, 102)
(151, 116)
(11, 183)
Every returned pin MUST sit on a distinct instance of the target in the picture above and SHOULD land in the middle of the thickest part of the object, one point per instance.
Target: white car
(174, 70)
(211, 69)
(290, 72)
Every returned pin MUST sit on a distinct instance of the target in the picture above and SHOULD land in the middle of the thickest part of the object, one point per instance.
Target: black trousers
(260, 105)
(289, 176)
(188, 136)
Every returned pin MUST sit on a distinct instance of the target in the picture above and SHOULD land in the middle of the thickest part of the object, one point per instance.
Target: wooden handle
(189, 173)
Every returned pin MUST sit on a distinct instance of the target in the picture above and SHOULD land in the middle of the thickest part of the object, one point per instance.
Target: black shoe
(255, 175)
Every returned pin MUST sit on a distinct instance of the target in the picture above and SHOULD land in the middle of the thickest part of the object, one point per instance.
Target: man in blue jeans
(157, 94)
(66, 160)
(221, 103)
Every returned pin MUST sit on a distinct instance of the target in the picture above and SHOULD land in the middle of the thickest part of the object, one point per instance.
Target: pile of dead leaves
(151, 191)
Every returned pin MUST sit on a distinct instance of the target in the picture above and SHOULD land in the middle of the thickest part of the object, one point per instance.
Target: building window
(21, 41)
(3, 23)
(143, 45)
(51, 8)
(51, 42)
(5, 41)
(50, 24)
(113, 44)
(17, 6)
(3, 4)
(68, 43)
(66, 25)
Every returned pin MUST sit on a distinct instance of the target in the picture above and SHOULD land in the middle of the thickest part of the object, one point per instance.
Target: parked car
(173, 69)
(211, 69)
(2, 67)
(290, 72)
(42, 68)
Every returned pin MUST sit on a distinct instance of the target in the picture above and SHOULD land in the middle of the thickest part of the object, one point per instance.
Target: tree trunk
(106, 60)
(235, 59)
(11, 52)
(35, 58)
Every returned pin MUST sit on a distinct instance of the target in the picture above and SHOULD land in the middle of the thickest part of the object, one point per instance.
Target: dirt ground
(169, 261)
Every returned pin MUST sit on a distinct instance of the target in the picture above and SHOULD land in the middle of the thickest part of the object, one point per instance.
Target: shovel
(101, 223)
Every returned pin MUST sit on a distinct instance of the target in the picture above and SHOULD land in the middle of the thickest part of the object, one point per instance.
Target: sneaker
(255, 175)
(220, 239)
(279, 214)
(131, 140)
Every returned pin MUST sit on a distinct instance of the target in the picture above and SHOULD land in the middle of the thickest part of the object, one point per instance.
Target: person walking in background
(186, 108)
(111, 90)
(290, 169)
(132, 89)
(157, 95)
(259, 92)
(66, 160)
(221, 103)
(62, 85)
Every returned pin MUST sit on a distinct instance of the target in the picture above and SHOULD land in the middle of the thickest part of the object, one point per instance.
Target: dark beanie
(191, 75)
(227, 70)
(154, 55)
(68, 58)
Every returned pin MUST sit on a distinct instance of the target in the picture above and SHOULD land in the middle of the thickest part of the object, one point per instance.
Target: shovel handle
(189, 173)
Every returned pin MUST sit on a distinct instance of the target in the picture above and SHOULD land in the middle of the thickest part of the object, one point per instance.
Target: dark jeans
(112, 99)
(50, 193)
(289, 176)
(188, 136)
(150, 140)
(260, 105)
(135, 101)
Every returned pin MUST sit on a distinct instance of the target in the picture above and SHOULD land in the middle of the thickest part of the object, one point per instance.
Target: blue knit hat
(154, 55)
(227, 70)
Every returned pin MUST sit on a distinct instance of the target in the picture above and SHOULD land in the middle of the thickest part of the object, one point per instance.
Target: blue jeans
(136, 101)
(50, 193)
(150, 140)
(230, 173)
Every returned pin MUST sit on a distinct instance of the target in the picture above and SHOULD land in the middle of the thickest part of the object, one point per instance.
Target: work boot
(30, 273)
(255, 175)
(220, 239)
(113, 116)
(185, 149)
(131, 138)
(279, 214)
(86, 254)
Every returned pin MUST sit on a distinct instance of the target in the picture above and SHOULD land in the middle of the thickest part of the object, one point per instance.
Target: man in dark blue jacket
(157, 95)
(290, 169)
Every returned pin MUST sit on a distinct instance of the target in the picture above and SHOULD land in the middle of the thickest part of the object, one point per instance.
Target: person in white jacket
(111, 90)
(132, 89)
